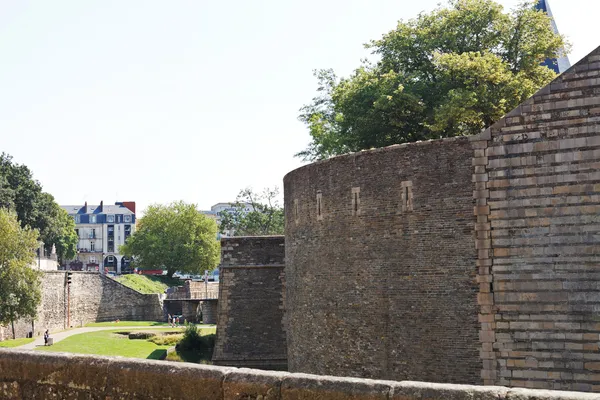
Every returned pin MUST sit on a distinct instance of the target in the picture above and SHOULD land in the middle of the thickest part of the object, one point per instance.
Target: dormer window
(110, 218)
(92, 219)
(127, 218)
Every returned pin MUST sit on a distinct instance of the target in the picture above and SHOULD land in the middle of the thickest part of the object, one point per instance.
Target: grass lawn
(107, 343)
(148, 284)
(127, 323)
(15, 342)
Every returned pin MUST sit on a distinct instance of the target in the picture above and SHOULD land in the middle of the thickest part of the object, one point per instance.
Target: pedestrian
(169, 319)
(46, 336)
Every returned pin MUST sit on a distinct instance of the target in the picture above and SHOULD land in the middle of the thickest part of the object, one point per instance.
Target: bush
(167, 339)
(194, 347)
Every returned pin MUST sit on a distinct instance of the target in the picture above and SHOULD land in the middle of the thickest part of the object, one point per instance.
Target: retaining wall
(250, 329)
(40, 375)
(93, 297)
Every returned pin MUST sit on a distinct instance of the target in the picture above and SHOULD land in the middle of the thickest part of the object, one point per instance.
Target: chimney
(130, 205)
(101, 206)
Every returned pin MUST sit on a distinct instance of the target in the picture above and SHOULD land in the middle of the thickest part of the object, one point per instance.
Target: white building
(102, 230)
(217, 209)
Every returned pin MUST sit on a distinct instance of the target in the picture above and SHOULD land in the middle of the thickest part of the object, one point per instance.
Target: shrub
(167, 339)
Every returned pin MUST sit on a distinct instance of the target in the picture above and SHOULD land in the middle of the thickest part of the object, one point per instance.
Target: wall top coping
(241, 238)
(252, 266)
(114, 376)
(386, 149)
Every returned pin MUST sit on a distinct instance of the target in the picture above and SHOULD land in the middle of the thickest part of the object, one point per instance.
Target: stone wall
(380, 264)
(537, 178)
(93, 297)
(250, 328)
(40, 375)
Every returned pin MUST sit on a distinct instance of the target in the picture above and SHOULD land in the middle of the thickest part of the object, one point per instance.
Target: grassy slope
(15, 342)
(148, 284)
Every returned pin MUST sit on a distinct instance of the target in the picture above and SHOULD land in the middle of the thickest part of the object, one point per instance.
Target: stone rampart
(250, 328)
(537, 187)
(93, 297)
(380, 270)
(40, 375)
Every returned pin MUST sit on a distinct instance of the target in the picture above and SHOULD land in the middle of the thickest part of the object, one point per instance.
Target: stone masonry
(42, 375)
(93, 297)
(250, 328)
(380, 258)
(537, 188)
(390, 276)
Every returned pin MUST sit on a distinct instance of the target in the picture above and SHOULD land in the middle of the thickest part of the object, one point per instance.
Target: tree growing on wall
(264, 217)
(450, 72)
(20, 287)
(174, 237)
(20, 193)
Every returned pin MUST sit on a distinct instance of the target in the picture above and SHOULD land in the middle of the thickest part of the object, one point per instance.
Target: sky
(156, 101)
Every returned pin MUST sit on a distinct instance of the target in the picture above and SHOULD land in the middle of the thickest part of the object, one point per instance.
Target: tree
(451, 72)
(265, 216)
(20, 287)
(36, 209)
(175, 237)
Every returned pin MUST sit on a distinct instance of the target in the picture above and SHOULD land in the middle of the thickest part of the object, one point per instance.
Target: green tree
(175, 237)
(450, 72)
(265, 215)
(36, 209)
(20, 287)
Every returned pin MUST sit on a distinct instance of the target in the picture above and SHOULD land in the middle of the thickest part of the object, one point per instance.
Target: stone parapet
(39, 375)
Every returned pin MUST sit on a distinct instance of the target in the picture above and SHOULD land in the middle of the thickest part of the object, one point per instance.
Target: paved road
(39, 341)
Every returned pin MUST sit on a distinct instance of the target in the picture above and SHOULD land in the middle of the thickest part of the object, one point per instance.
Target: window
(355, 201)
(127, 218)
(92, 246)
(406, 197)
(296, 213)
(319, 206)
(77, 232)
(110, 218)
(111, 259)
(92, 219)
(77, 219)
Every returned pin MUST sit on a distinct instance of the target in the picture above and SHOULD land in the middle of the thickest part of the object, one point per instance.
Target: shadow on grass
(157, 355)
(200, 351)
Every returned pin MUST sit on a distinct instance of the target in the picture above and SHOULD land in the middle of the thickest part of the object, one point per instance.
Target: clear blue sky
(155, 101)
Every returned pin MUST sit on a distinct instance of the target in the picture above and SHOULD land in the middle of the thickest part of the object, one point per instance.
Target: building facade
(102, 230)
(215, 213)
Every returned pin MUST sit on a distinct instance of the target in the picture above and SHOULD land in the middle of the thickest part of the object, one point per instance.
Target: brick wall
(250, 328)
(380, 264)
(43, 375)
(93, 297)
(537, 177)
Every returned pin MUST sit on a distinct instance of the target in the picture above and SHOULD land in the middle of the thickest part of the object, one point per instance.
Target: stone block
(309, 387)
(250, 384)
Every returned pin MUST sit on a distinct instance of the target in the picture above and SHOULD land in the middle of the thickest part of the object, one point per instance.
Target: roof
(91, 209)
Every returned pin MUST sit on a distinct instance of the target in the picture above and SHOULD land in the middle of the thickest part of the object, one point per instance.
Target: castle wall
(380, 264)
(93, 297)
(537, 175)
(43, 375)
(250, 328)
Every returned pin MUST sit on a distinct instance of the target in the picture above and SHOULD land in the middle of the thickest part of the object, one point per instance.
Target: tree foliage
(20, 288)
(175, 237)
(265, 215)
(450, 72)
(36, 209)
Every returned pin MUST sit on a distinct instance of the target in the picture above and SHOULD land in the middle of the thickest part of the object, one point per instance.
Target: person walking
(46, 336)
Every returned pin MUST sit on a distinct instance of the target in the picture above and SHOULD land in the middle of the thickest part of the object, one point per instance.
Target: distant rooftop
(98, 209)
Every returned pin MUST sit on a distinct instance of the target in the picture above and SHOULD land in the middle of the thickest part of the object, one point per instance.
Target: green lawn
(127, 323)
(107, 343)
(15, 342)
(148, 284)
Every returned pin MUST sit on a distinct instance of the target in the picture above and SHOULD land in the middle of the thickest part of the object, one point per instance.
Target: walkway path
(57, 337)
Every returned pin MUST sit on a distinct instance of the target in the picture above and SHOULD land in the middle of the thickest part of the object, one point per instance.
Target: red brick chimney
(130, 205)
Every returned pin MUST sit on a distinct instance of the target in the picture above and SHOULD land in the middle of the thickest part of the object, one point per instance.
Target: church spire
(561, 64)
